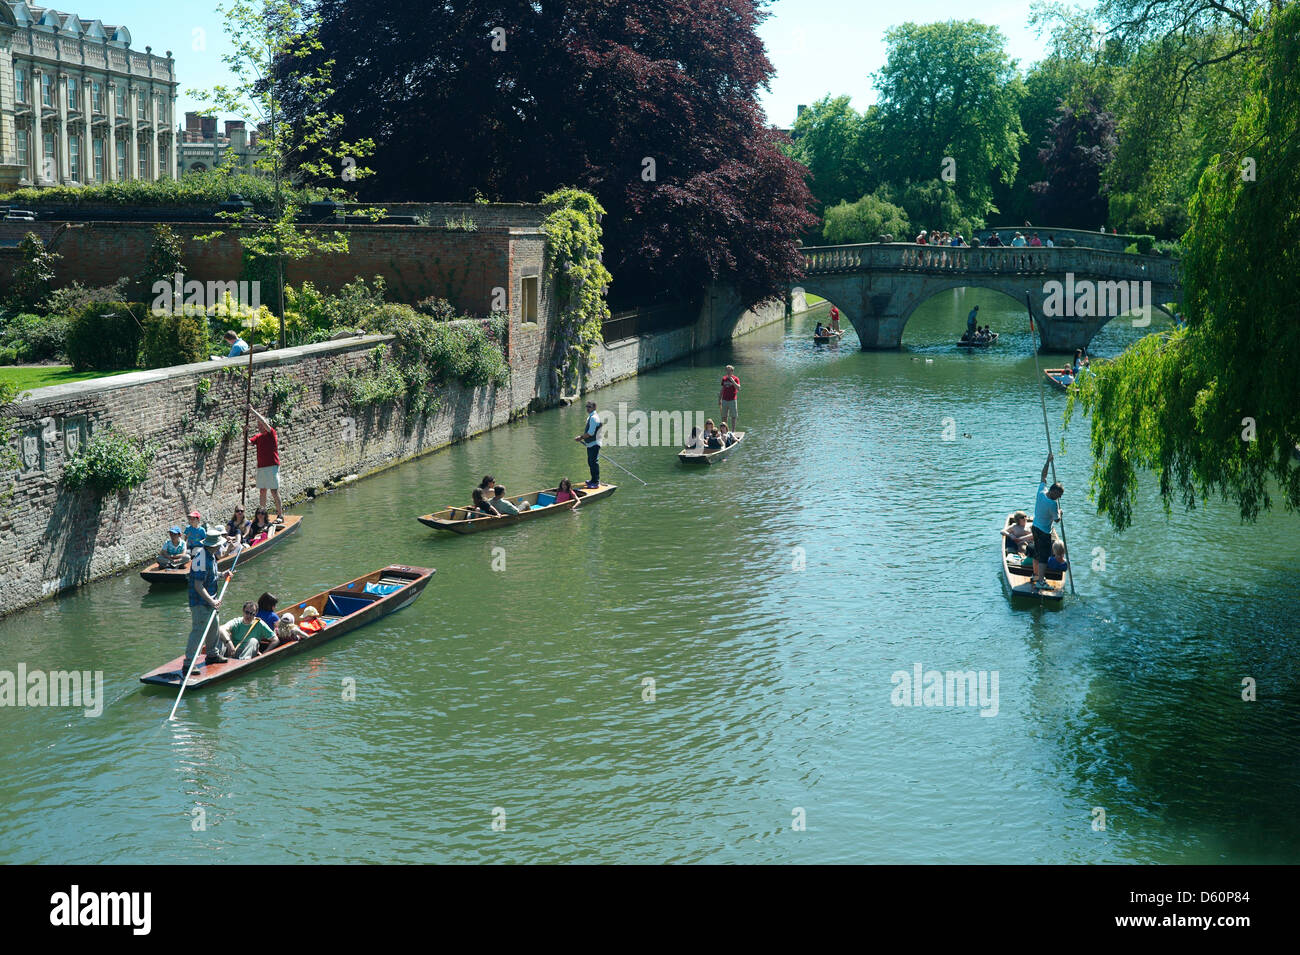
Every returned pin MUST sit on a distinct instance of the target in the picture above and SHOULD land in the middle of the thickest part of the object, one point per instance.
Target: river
(771, 600)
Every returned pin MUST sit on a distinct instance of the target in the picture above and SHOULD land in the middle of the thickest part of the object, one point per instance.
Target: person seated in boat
(311, 621)
(1017, 535)
(260, 528)
(966, 336)
(714, 440)
(1057, 562)
(486, 485)
(564, 491)
(694, 442)
(503, 504)
(286, 631)
(1066, 376)
(195, 531)
(242, 638)
(266, 611)
(482, 506)
(235, 530)
(174, 553)
(727, 435)
(821, 330)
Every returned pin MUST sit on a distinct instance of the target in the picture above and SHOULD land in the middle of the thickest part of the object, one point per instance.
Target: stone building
(78, 105)
(200, 147)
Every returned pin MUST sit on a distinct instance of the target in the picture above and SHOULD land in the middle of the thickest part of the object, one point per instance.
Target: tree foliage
(866, 220)
(1215, 409)
(652, 108)
(1081, 143)
(827, 139)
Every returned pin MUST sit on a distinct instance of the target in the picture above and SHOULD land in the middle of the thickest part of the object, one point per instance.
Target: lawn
(27, 377)
(812, 299)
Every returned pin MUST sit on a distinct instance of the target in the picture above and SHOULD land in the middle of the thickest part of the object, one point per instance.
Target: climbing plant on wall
(573, 264)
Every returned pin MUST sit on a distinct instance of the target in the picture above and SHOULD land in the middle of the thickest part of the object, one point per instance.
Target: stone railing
(908, 257)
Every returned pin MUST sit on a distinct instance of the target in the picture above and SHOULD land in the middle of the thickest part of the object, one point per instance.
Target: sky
(817, 46)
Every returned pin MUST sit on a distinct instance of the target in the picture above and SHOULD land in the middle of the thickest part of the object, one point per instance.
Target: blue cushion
(382, 589)
(339, 605)
(545, 499)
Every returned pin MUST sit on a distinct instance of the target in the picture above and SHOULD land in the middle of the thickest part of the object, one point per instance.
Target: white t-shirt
(593, 427)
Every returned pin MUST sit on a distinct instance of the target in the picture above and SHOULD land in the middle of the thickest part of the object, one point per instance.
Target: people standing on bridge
(920, 239)
(267, 443)
(971, 319)
(1046, 513)
(1051, 244)
(591, 438)
(995, 241)
(1036, 242)
(1019, 241)
(729, 398)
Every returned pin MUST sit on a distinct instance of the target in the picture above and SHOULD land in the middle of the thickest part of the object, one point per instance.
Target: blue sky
(817, 46)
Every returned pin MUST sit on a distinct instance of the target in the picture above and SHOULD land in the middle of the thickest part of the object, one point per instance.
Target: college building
(78, 106)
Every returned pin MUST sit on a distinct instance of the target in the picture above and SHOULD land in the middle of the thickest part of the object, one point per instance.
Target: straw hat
(311, 613)
(213, 536)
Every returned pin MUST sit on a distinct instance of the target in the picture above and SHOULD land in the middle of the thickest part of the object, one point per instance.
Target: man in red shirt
(835, 318)
(728, 397)
(268, 463)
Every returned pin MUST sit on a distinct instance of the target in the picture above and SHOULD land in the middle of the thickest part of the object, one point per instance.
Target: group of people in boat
(490, 500)
(714, 437)
(981, 336)
(239, 531)
(1068, 375)
(825, 331)
(1021, 538)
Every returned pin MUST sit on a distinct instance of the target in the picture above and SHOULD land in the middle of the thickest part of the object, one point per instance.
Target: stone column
(133, 145)
(61, 150)
(110, 147)
(153, 138)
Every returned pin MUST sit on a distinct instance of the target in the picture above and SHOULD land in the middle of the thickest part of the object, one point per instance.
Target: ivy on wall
(573, 264)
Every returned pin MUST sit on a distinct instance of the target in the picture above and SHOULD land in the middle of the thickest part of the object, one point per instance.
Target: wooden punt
(1053, 376)
(343, 609)
(1018, 578)
(463, 520)
(155, 574)
(710, 457)
(827, 339)
(983, 344)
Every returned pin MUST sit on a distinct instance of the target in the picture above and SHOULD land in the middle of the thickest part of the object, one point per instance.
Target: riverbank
(53, 539)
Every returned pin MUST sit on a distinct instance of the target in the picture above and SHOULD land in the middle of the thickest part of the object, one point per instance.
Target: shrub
(173, 340)
(206, 190)
(30, 282)
(105, 336)
(8, 355)
(109, 462)
(164, 260)
(437, 308)
(74, 297)
(863, 221)
(35, 337)
(1167, 248)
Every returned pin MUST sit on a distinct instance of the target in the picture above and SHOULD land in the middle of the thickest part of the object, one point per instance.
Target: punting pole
(1069, 566)
(606, 457)
(239, 549)
(248, 408)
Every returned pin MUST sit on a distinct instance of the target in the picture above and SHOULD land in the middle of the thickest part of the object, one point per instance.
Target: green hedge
(207, 189)
(33, 337)
(105, 336)
(173, 340)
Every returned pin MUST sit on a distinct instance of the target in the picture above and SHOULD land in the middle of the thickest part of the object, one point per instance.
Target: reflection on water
(769, 598)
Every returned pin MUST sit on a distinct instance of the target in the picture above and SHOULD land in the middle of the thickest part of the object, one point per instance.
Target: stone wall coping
(82, 389)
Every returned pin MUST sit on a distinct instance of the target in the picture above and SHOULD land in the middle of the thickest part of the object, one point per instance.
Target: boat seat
(400, 581)
(342, 605)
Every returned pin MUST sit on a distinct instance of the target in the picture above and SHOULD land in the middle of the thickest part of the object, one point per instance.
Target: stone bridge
(1074, 291)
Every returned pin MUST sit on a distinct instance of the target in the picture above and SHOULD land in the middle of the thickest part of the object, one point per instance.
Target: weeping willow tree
(1214, 409)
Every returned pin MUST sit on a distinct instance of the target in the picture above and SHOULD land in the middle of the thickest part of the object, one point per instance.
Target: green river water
(522, 689)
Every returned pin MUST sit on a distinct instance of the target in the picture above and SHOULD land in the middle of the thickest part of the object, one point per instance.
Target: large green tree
(949, 91)
(1215, 409)
(828, 140)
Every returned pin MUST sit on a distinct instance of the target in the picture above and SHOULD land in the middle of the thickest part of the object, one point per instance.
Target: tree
(275, 61)
(165, 260)
(30, 282)
(1081, 144)
(1215, 408)
(650, 107)
(949, 92)
(865, 221)
(827, 139)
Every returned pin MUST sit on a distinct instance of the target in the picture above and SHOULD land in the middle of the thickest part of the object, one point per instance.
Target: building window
(47, 89)
(97, 96)
(50, 168)
(22, 147)
(20, 84)
(143, 172)
(74, 157)
(121, 160)
(73, 90)
(162, 162)
(99, 159)
(121, 102)
(530, 299)
(139, 106)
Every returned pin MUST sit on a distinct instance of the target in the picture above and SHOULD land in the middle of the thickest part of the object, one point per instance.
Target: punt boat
(980, 344)
(1018, 576)
(827, 339)
(465, 520)
(342, 609)
(156, 574)
(708, 456)
(1053, 376)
